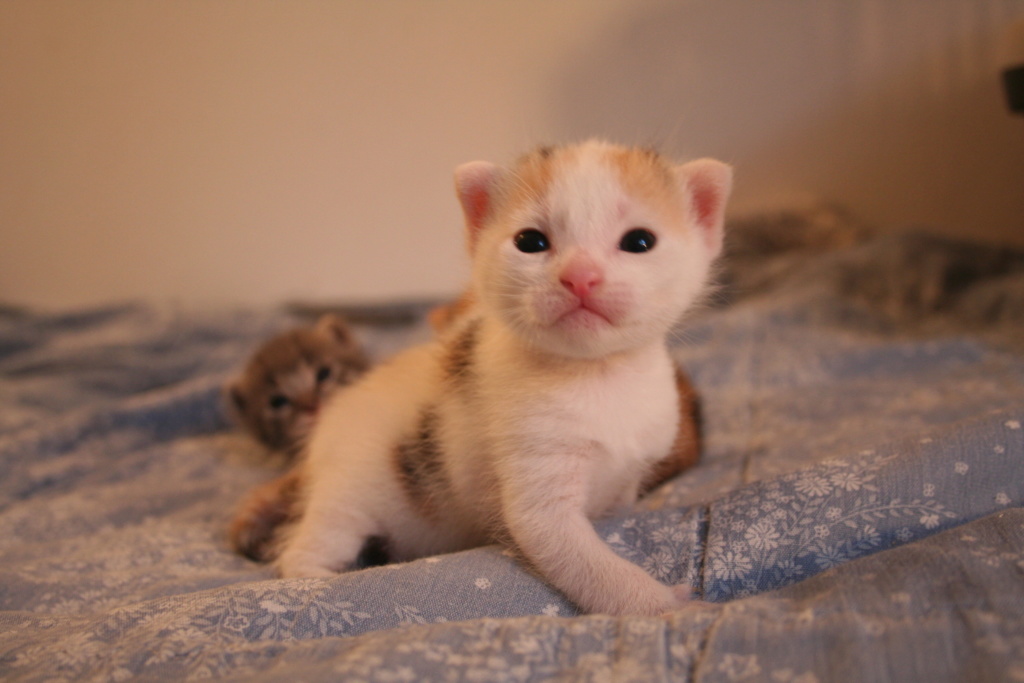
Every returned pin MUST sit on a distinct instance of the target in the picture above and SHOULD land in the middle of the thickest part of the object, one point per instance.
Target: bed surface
(857, 514)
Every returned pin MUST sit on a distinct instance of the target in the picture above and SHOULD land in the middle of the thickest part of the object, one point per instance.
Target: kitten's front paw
(683, 594)
(669, 599)
(292, 567)
(648, 598)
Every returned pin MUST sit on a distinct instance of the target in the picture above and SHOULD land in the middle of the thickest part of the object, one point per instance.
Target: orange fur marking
(267, 507)
(686, 448)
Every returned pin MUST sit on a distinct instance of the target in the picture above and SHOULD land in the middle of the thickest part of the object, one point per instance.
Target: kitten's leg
(550, 528)
(327, 539)
(263, 511)
(353, 493)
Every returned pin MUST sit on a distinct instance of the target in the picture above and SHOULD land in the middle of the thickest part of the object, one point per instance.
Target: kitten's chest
(627, 416)
(624, 414)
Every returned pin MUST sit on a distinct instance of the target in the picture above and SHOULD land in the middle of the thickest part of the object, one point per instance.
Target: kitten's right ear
(474, 184)
(335, 326)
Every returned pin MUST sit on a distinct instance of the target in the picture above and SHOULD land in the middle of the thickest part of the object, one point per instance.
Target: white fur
(568, 408)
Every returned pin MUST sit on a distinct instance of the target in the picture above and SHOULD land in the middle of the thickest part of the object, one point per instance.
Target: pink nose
(581, 277)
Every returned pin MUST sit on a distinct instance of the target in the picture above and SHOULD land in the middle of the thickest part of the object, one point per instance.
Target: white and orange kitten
(547, 403)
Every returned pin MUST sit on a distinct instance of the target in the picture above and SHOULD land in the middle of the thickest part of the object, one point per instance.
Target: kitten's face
(591, 250)
(285, 383)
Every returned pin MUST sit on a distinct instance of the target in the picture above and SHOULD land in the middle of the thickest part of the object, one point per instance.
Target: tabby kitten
(279, 394)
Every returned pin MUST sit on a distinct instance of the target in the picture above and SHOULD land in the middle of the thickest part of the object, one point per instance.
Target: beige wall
(250, 151)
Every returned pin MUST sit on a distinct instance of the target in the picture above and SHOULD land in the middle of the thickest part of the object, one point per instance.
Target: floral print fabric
(856, 516)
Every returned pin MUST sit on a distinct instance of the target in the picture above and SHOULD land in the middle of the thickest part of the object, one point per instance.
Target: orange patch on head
(648, 177)
(645, 176)
(530, 177)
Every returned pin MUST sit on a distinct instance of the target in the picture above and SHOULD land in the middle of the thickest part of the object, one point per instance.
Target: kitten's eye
(278, 401)
(323, 374)
(638, 240)
(531, 241)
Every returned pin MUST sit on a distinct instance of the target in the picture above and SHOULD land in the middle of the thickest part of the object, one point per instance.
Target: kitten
(275, 503)
(276, 400)
(280, 391)
(547, 405)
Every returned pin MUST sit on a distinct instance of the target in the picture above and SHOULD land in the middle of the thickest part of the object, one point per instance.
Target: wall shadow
(891, 109)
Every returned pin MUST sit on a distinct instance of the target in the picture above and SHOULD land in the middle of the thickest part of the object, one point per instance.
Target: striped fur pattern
(278, 394)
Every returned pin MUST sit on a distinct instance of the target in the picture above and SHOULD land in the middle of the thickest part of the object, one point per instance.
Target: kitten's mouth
(584, 315)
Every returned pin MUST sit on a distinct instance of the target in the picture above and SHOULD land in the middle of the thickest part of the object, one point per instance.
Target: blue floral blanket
(857, 514)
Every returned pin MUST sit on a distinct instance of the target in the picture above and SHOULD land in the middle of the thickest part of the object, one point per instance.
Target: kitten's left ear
(474, 184)
(707, 184)
(336, 327)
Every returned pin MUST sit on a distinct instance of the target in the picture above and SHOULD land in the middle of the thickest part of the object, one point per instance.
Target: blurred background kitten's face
(280, 392)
